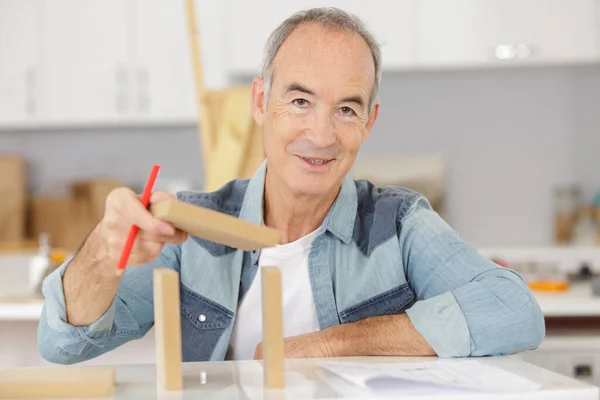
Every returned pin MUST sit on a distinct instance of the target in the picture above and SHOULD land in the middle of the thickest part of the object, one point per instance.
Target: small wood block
(57, 382)
(272, 326)
(215, 226)
(167, 326)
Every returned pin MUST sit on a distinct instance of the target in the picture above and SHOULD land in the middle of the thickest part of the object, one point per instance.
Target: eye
(347, 111)
(300, 102)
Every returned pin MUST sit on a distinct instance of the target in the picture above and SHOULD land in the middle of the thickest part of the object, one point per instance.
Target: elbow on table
(522, 325)
(535, 330)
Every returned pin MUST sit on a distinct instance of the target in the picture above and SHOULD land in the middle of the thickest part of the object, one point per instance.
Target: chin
(311, 185)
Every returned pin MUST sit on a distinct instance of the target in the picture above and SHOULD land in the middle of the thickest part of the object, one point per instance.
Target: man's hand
(388, 335)
(311, 345)
(124, 209)
(90, 282)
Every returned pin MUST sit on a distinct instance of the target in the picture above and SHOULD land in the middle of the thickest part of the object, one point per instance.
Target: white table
(305, 380)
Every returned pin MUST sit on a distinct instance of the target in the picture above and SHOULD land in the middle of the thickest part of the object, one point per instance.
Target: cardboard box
(69, 219)
(65, 219)
(94, 193)
(13, 192)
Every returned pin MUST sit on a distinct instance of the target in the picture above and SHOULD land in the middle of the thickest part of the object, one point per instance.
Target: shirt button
(201, 317)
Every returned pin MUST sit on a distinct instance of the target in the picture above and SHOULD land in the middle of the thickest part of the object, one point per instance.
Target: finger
(135, 212)
(158, 196)
(146, 250)
(178, 237)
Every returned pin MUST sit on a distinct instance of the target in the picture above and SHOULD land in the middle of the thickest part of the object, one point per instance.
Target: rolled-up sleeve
(130, 315)
(466, 305)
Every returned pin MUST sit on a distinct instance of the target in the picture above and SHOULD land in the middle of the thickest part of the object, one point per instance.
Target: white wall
(509, 136)
(585, 113)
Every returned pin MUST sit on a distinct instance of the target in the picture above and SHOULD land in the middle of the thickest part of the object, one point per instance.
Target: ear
(371, 121)
(258, 100)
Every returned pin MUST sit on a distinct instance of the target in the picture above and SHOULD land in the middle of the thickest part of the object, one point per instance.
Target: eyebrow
(297, 87)
(354, 99)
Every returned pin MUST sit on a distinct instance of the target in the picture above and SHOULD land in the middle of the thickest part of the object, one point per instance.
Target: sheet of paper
(435, 377)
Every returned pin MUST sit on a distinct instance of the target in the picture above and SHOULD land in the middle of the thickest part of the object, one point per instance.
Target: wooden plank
(272, 327)
(57, 382)
(215, 226)
(167, 325)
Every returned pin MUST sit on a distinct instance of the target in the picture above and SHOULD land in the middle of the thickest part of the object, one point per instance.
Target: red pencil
(134, 229)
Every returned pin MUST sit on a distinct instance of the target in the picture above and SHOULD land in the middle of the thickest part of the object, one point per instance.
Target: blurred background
(489, 107)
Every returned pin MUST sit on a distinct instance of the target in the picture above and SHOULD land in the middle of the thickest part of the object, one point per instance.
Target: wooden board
(272, 327)
(57, 382)
(167, 326)
(215, 226)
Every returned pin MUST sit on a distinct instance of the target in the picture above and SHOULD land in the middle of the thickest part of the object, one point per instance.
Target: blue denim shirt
(380, 251)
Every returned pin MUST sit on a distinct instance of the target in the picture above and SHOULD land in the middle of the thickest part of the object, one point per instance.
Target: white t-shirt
(299, 312)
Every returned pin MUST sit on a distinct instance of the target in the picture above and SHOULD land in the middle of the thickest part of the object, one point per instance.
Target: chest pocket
(202, 324)
(393, 301)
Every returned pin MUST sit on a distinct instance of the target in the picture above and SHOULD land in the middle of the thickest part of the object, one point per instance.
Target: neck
(292, 215)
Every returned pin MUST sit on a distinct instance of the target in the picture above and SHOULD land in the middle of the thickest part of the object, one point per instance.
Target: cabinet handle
(30, 90)
(121, 89)
(143, 89)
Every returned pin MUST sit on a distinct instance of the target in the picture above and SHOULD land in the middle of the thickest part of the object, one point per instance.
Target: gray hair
(329, 17)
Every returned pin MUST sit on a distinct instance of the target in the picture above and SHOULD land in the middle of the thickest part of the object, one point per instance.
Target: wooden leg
(167, 325)
(272, 325)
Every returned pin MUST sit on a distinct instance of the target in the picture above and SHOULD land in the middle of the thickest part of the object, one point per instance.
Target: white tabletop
(305, 379)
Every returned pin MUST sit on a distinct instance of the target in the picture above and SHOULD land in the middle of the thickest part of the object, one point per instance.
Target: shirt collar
(340, 217)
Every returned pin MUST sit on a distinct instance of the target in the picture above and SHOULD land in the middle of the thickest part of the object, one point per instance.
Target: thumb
(159, 196)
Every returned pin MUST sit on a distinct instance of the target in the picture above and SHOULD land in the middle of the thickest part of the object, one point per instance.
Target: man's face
(317, 114)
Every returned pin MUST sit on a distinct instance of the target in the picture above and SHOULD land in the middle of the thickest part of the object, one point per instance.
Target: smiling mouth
(316, 161)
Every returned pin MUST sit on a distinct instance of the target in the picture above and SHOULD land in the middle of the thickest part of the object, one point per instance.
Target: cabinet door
(164, 85)
(475, 32)
(250, 24)
(86, 60)
(19, 60)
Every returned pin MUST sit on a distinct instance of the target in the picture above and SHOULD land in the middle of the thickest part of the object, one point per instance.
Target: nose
(322, 133)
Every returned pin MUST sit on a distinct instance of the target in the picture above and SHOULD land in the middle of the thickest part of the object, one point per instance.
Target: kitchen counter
(305, 379)
(577, 301)
(21, 308)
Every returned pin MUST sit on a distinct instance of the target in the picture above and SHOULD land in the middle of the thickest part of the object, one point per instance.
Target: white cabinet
(86, 50)
(507, 32)
(19, 59)
(251, 23)
(115, 61)
(576, 355)
(161, 64)
(95, 62)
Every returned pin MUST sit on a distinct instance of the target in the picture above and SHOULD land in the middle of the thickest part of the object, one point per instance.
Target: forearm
(90, 282)
(389, 335)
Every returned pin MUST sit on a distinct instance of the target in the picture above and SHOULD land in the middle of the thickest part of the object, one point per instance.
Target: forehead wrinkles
(336, 59)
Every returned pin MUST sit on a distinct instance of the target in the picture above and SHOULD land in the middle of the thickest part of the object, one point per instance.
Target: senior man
(366, 270)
